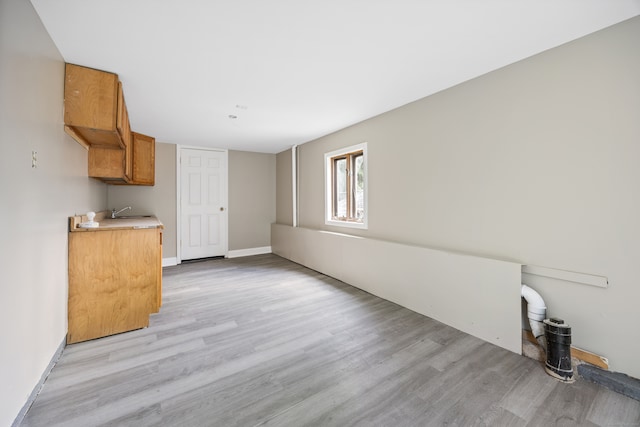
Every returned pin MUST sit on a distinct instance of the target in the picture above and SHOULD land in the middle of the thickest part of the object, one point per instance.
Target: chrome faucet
(114, 212)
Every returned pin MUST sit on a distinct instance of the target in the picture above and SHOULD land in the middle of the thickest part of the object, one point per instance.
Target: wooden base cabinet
(115, 281)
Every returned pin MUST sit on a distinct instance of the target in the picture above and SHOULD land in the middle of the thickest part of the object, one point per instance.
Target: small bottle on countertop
(90, 223)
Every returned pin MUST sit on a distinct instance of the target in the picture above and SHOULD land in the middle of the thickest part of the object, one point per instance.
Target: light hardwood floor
(262, 341)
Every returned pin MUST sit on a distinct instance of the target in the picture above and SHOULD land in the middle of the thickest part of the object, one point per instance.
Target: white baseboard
(248, 252)
(168, 262)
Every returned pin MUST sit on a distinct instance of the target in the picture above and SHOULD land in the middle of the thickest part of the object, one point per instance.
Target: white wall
(536, 163)
(36, 203)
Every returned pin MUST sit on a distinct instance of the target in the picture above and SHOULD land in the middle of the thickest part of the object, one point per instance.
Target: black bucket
(558, 336)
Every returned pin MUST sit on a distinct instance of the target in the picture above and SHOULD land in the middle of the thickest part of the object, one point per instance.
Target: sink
(131, 216)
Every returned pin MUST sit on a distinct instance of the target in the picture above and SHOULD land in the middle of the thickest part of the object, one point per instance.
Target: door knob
(221, 209)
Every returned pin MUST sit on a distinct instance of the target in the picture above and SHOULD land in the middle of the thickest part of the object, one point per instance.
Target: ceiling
(290, 71)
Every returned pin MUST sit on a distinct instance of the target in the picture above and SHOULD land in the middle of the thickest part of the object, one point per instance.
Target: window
(346, 187)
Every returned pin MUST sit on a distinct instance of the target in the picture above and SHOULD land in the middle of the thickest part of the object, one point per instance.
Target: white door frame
(179, 192)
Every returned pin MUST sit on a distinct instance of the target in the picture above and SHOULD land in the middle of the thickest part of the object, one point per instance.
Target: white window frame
(328, 187)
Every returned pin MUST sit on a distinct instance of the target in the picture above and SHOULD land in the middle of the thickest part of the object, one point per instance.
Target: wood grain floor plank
(261, 341)
(497, 416)
(323, 403)
(566, 405)
(528, 392)
(608, 408)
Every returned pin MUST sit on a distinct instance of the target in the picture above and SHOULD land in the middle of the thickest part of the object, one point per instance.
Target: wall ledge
(477, 295)
(237, 253)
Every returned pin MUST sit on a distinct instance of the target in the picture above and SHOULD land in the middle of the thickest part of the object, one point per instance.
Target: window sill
(347, 224)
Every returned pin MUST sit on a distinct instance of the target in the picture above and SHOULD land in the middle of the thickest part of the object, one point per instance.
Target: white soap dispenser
(90, 223)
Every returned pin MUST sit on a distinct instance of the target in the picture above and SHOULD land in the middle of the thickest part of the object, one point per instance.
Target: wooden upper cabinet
(109, 165)
(94, 109)
(95, 115)
(144, 159)
(124, 128)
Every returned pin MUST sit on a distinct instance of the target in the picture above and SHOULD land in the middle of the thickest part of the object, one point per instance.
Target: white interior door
(203, 203)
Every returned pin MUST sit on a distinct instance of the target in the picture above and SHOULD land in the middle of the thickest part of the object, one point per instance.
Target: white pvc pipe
(294, 185)
(536, 312)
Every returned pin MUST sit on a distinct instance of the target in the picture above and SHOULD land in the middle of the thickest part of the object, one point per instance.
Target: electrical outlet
(34, 159)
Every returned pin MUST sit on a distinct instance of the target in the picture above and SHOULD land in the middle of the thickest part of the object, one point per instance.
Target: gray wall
(252, 199)
(158, 200)
(284, 203)
(36, 203)
(535, 163)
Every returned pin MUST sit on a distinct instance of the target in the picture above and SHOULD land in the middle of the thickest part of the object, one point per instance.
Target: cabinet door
(106, 163)
(159, 270)
(90, 106)
(144, 159)
(124, 129)
(112, 281)
(90, 98)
